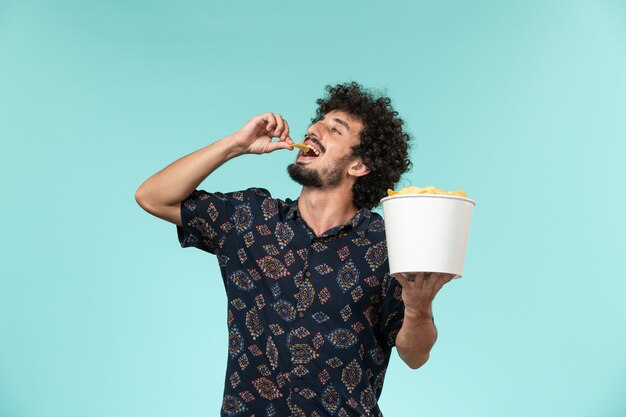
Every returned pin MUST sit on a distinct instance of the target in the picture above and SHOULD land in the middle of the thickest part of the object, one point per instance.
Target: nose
(315, 129)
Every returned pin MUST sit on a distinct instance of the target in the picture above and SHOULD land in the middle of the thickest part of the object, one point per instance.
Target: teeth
(307, 148)
(315, 150)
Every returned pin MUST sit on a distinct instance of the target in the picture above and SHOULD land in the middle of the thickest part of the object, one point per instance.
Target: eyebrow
(341, 122)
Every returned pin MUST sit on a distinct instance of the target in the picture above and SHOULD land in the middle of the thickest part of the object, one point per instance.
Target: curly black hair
(383, 146)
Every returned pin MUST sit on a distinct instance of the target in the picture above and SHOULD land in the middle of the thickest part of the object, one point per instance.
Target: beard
(304, 176)
(328, 178)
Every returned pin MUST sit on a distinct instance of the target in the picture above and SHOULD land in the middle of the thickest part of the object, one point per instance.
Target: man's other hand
(419, 290)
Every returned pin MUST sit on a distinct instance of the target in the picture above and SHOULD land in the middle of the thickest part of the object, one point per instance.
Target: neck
(323, 209)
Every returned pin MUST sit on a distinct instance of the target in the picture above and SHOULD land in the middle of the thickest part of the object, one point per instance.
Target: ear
(357, 168)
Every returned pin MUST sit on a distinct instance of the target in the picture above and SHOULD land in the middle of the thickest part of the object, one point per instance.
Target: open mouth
(314, 150)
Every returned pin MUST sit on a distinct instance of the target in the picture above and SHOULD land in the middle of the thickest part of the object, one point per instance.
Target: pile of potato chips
(426, 190)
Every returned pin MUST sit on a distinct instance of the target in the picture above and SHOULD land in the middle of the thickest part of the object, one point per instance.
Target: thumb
(273, 146)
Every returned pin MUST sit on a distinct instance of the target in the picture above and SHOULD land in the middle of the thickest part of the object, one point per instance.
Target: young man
(313, 313)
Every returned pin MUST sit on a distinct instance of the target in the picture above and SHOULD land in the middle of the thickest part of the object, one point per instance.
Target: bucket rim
(445, 196)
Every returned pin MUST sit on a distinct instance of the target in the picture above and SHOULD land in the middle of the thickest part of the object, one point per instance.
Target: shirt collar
(359, 222)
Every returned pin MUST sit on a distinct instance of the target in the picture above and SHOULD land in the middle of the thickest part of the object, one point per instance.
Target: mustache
(316, 141)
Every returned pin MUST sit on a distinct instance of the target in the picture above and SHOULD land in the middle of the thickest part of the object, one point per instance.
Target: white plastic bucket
(427, 232)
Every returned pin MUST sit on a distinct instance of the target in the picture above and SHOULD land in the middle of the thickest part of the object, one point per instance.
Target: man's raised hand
(256, 135)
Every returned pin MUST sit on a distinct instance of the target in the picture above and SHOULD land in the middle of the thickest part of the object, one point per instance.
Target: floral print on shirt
(311, 319)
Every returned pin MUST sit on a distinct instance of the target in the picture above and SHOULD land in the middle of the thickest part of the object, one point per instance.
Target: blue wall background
(522, 103)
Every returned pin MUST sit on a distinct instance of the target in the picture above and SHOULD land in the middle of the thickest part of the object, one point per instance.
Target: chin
(303, 176)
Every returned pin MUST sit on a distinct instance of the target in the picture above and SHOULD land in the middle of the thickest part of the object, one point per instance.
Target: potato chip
(301, 146)
(426, 190)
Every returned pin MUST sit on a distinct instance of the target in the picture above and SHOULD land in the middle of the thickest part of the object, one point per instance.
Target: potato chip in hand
(301, 146)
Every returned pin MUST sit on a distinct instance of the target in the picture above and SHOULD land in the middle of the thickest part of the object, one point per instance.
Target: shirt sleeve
(209, 218)
(392, 311)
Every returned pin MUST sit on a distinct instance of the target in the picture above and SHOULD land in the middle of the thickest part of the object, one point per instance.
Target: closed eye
(334, 129)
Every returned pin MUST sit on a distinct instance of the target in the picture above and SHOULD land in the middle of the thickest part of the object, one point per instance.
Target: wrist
(417, 315)
(233, 146)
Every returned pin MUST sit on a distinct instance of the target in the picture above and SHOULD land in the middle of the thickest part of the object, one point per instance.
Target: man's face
(332, 138)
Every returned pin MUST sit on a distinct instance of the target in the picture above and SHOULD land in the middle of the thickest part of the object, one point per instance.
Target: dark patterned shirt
(311, 319)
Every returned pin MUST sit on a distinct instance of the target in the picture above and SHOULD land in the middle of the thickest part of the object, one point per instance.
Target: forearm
(178, 180)
(416, 338)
